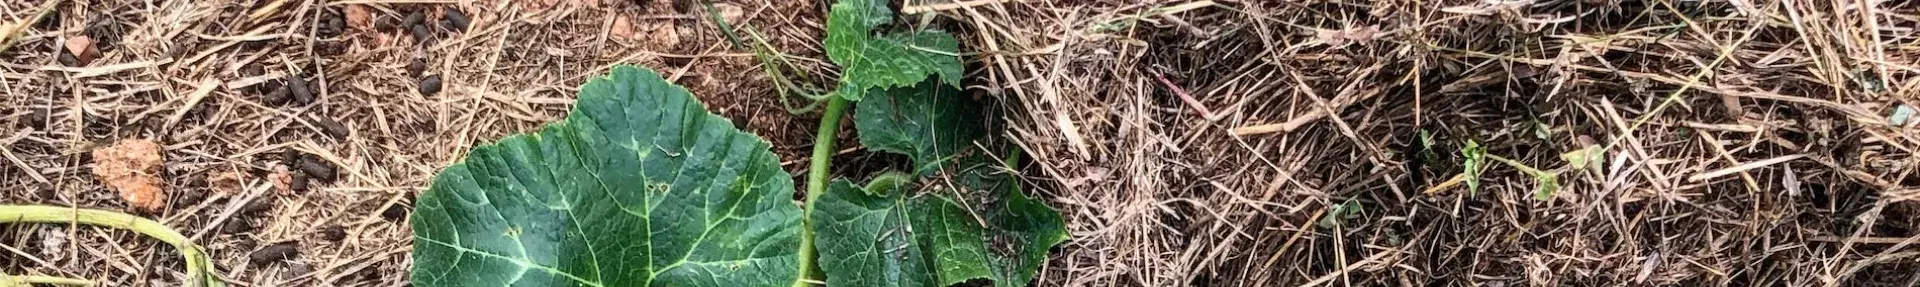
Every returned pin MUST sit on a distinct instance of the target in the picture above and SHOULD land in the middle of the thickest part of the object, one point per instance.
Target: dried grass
(1741, 148)
(514, 70)
(1225, 143)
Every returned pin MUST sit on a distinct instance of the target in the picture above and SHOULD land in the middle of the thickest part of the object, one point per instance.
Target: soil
(356, 111)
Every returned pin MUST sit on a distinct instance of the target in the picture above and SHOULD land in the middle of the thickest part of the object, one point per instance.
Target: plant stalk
(817, 169)
(29, 280)
(196, 260)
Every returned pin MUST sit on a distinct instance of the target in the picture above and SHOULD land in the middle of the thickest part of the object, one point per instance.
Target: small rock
(1901, 115)
(133, 167)
(430, 85)
(275, 253)
(83, 49)
(53, 242)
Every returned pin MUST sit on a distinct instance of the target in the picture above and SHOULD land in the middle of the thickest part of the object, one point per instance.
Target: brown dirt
(1277, 143)
(515, 69)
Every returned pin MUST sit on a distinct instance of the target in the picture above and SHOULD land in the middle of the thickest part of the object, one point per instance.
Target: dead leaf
(6, 32)
(82, 49)
(663, 34)
(622, 27)
(132, 167)
(227, 183)
(360, 17)
(733, 14)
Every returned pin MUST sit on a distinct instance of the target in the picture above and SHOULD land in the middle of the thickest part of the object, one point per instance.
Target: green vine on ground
(198, 267)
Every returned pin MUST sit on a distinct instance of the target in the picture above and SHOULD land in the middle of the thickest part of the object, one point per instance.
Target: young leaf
(1341, 213)
(1472, 162)
(1546, 182)
(864, 239)
(1584, 157)
(896, 238)
(638, 186)
(930, 123)
(870, 62)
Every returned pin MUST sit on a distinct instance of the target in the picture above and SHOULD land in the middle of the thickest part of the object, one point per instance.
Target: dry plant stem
(817, 184)
(196, 261)
(12, 281)
(7, 32)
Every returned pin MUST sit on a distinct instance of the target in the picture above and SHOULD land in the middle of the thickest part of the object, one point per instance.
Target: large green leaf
(900, 238)
(638, 186)
(869, 62)
(930, 123)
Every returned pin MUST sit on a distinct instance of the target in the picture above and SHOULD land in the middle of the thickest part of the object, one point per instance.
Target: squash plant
(641, 186)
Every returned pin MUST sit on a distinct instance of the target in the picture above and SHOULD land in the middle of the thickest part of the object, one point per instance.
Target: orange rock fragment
(359, 17)
(132, 167)
(83, 49)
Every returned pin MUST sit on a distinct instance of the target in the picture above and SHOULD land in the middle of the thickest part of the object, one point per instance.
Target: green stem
(29, 280)
(817, 184)
(196, 260)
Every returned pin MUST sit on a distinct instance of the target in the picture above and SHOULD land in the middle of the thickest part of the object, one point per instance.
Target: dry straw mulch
(1300, 143)
(197, 77)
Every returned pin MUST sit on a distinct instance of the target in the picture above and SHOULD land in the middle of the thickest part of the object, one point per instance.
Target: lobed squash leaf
(929, 123)
(638, 186)
(903, 238)
(869, 62)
